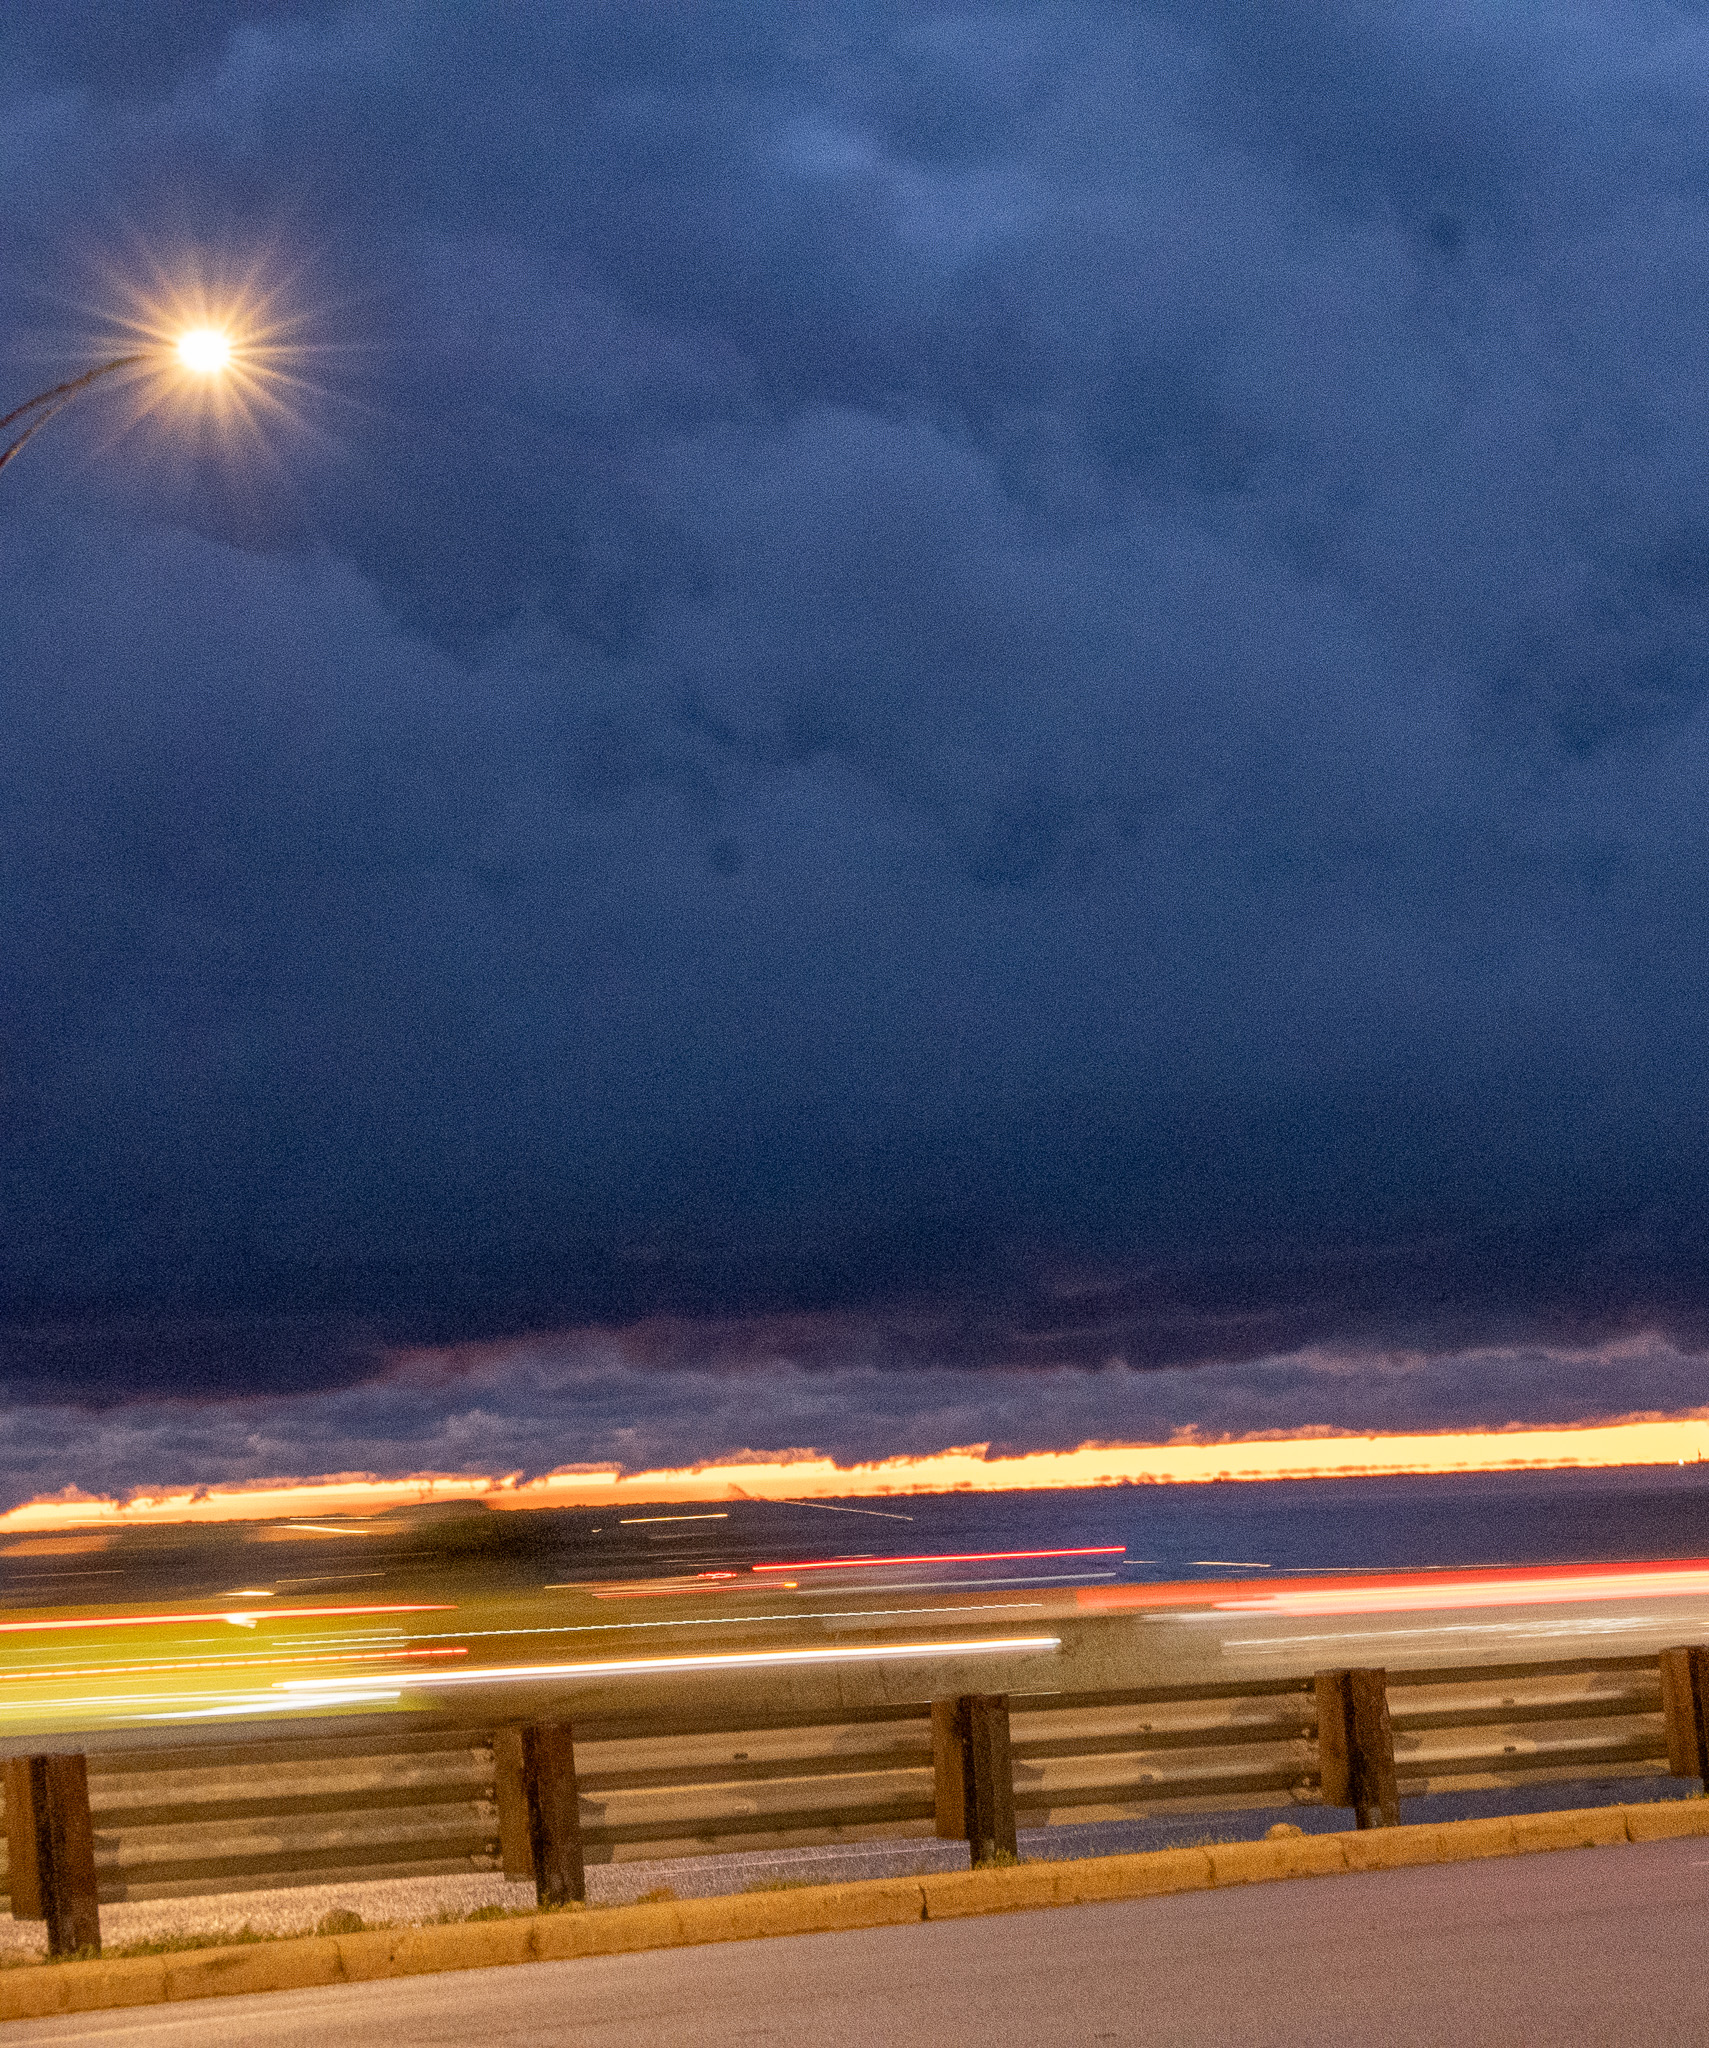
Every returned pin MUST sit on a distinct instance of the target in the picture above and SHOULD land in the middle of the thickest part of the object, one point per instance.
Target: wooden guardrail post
(50, 1850)
(510, 1796)
(554, 1812)
(1356, 1746)
(973, 1776)
(1685, 1698)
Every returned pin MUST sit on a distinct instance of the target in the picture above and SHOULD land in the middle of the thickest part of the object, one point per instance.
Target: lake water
(1218, 1529)
(1321, 1525)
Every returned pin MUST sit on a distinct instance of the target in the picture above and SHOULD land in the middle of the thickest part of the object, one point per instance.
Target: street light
(203, 352)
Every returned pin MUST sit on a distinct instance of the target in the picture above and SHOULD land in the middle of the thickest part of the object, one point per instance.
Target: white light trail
(713, 1660)
(814, 1617)
(266, 1703)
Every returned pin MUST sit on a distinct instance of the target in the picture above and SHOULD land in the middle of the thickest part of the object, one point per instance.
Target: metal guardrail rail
(251, 1815)
(1466, 1731)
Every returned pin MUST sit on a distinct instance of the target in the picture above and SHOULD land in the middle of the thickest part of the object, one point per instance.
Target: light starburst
(199, 351)
(205, 351)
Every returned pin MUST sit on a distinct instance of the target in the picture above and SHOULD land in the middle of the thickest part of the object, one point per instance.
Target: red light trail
(1405, 1592)
(837, 1564)
(242, 1617)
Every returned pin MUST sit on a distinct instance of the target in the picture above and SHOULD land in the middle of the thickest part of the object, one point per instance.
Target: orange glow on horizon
(805, 1475)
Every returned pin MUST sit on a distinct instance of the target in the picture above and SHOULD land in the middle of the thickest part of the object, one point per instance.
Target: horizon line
(798, 1475)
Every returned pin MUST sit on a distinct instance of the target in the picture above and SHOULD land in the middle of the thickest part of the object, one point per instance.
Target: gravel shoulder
(298, 1909)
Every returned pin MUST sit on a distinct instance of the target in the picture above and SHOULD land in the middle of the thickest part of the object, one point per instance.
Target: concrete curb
(296, 1964)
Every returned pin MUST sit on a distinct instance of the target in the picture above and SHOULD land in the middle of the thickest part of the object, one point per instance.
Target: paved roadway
(1583, 1947)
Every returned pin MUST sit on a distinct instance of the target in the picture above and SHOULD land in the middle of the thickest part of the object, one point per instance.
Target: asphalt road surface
(1583, 1947)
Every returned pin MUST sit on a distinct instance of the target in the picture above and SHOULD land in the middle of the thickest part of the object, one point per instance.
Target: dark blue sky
(1011, 688)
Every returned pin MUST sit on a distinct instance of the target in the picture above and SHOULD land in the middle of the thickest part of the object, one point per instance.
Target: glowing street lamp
(202, 352)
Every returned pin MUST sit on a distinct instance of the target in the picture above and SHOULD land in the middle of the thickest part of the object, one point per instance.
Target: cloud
(1031, 678)
(669, 1396)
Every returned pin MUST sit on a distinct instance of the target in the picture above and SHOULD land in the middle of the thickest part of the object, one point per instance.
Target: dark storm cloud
(1031, 676)
(657, 1398)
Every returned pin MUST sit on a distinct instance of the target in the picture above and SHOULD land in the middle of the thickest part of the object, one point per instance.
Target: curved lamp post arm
(46, 403)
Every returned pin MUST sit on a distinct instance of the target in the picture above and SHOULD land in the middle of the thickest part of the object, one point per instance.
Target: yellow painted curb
(298, 1964)
(1665, 1819)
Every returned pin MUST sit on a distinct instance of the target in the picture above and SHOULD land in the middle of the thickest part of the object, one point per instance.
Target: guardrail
(250, 1815)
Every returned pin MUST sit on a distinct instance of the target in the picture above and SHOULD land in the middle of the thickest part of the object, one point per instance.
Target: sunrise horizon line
(1185, 1459)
